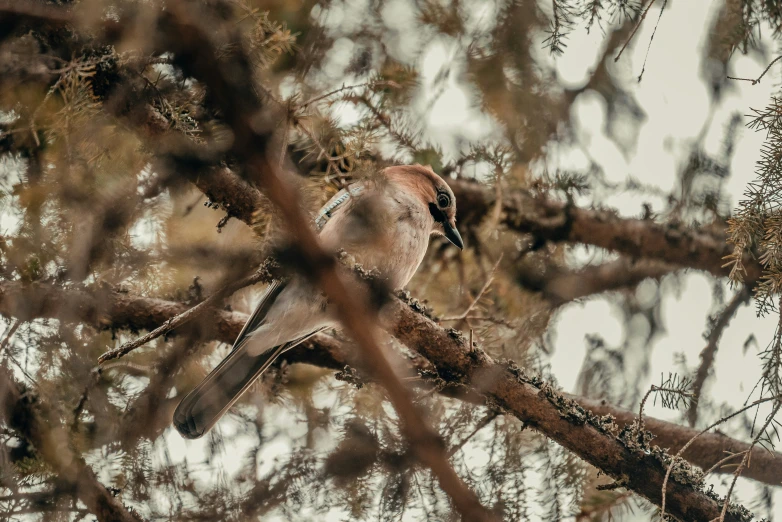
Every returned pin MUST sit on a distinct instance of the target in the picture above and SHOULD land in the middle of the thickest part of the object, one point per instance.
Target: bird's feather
(385, 224)
(261, 309)
(208, 401)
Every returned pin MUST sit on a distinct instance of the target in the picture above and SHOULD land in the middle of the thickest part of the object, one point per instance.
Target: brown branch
(706, 451)
(675, 460)
(229, 81)
(560, 286)
(549, 220)
(240, 199)
(538, 405)
(707, 355)
(50, 440)
(637, 238)
(188, 315)
(14, 12)
(104, 309)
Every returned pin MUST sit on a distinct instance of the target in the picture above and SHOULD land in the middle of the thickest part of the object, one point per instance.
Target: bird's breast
(403, 247)
(389, 233)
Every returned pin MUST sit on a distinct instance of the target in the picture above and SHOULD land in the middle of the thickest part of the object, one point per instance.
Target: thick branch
(708, 450)
(262, 274)
(240, 199)
(536, 404)
(547, 219)
(637, 238)
(560, 286)
(531, 402)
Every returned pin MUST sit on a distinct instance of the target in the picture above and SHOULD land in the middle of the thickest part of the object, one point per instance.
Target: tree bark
(557, 416)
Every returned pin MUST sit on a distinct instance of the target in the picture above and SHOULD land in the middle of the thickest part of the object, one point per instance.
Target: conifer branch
(707, 355)
(241, 110)
(31, 422)
(531, 400)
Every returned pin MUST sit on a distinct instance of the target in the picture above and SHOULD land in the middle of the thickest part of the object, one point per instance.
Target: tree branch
(240, 199)
(470, 374)
(560, 286)
(262, 274)
(710, 351)
(229, 80)
(547, 219)
(637, 238)
(706, 451)
(538, 405)
(50, 441)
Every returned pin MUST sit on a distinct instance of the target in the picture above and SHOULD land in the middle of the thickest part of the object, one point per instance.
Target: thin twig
(745, 460)
(482, 291)
(649, 47)
(91, 383)
(708, 353)
(486, 318)
(654, 388)
(757, 80)
(718, 464)
(478, 427)
(679, 453)
(10, 334)
(635, 29)
(385, 121)
(184, 317)
(346, 88)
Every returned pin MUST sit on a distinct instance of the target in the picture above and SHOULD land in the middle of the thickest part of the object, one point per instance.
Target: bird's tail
(208, 401)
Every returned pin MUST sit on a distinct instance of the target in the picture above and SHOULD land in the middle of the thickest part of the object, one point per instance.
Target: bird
(384, 222)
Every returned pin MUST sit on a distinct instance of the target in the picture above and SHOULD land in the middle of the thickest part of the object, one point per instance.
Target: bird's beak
(452, 234)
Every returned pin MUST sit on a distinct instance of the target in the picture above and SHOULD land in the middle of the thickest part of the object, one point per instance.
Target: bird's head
(434, 193)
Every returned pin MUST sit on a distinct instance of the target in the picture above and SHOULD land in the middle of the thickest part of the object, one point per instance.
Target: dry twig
(708, 353)
(184, 317)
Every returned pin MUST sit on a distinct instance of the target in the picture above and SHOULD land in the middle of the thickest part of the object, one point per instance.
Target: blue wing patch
(325, 213)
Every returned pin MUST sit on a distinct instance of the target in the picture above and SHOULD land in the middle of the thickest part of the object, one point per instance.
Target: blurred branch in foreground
(529, 399)
(113, 113)
(24, 413)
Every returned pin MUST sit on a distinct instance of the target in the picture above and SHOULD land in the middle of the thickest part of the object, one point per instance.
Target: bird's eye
(443, 200)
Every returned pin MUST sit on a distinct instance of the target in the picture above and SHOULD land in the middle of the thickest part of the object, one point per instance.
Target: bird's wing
(259, 314)
(335, 203)
(207, 402)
